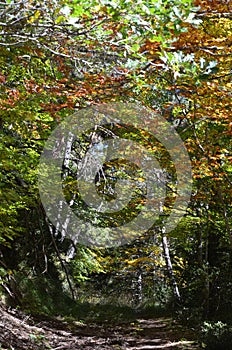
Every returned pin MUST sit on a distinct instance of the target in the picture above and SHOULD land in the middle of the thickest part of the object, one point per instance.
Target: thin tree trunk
(199, 240)
(61, 261)
(169, 267)
(140, 288)
(137, 288)
(168, 260)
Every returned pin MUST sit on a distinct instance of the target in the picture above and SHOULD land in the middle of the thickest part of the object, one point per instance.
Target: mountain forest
(168, 65)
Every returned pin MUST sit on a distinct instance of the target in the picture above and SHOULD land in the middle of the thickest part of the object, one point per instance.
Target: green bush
(217, 335)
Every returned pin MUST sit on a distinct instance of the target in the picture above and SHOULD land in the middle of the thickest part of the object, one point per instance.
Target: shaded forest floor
(23, 332)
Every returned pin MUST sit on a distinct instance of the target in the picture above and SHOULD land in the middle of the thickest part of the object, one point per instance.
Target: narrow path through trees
(22, 332)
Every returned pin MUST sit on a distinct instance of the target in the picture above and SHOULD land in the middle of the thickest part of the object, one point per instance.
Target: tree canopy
(173, 57)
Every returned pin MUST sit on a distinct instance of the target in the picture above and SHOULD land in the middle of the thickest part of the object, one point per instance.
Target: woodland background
(173, 56)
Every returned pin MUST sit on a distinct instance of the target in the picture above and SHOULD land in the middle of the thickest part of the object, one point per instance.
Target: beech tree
(174, 57)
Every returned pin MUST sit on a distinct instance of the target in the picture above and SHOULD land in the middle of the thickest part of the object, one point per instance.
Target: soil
(19, 331)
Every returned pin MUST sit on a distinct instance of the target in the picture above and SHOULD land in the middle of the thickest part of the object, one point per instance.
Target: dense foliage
(172, 56)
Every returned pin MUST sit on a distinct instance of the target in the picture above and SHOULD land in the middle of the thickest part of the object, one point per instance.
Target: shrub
(217, 335)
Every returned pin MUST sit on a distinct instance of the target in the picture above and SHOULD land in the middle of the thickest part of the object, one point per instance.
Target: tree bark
(169, 267)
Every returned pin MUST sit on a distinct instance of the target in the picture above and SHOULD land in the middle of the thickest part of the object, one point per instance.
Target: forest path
(143, 334)
(24, 333)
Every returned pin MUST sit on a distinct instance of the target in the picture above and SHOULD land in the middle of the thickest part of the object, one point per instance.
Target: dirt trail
(20, 332)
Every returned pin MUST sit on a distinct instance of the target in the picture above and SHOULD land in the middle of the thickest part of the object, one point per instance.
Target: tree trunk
(169, 267)
(137, 288)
